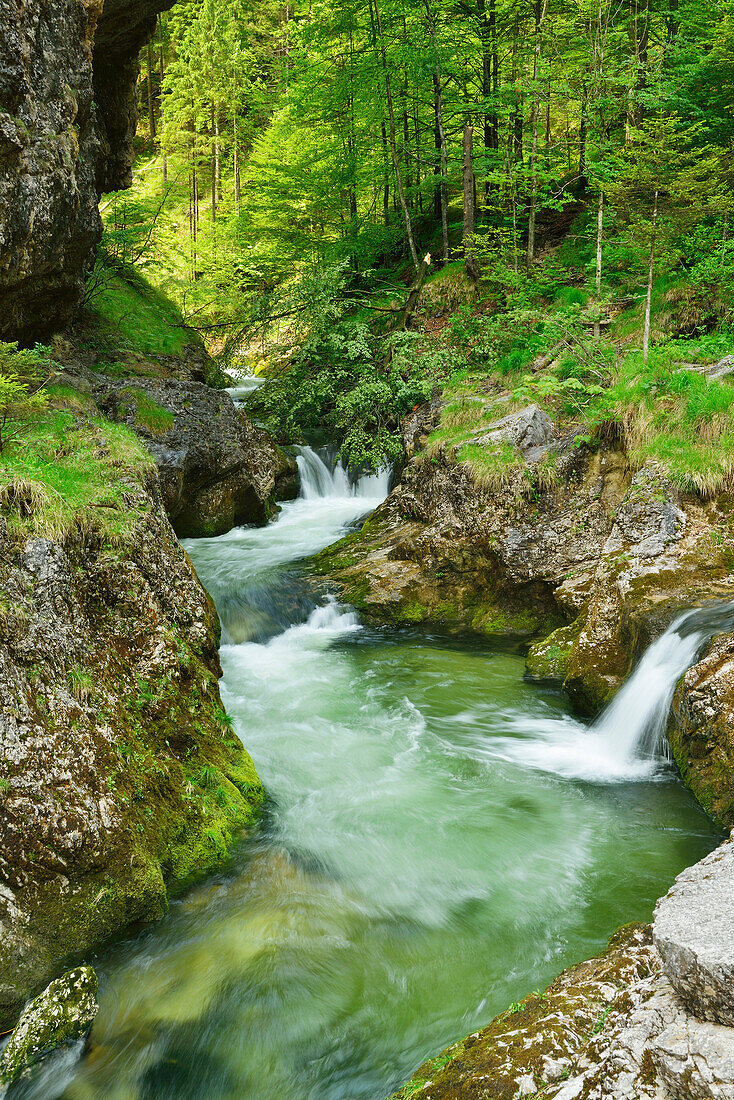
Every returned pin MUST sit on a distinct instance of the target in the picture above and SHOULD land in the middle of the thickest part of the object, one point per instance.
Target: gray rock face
(530, 430)
(217, 470)
(695, 1059)
(694, 933)
(64, 1012)
(67, 118)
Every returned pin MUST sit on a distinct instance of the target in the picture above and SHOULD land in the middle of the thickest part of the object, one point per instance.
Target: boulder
(217, 469)
(694, 933)
(695, 1059)
(530, 430)
(63, 1013)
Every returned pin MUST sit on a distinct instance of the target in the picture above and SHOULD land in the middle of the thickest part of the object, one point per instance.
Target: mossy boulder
(701, 730)
(63, 1013)
(547, 660)
(217, 470)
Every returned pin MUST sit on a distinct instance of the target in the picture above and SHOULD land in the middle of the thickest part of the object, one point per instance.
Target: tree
(22, 391)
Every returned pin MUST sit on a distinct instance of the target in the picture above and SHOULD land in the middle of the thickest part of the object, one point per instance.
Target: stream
(441, 839)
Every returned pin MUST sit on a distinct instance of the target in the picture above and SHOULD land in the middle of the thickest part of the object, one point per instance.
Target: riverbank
(351, 936)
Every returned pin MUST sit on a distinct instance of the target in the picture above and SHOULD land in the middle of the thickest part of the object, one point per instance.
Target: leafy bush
(23, 374)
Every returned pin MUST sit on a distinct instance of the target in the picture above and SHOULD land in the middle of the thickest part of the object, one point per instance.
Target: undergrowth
(73, 474)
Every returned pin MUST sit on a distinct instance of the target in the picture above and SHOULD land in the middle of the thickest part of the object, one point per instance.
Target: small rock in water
(65, 1011)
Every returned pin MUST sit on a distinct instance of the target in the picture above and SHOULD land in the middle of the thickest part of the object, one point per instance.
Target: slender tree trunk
(599, 243)
(516, 127)
(472, 268)
(440, 135)
(161, 26)
(214, 165)
(583, 133)
(540, 14)
(237, 182)
(218, 155)
(393, 143)
(386, 177)
(151, 99)
(650, 271)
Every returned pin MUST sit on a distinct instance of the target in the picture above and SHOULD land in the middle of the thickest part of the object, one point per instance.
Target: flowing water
(442, 838)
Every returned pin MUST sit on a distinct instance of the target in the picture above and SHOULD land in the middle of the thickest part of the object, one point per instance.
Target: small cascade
(320, 481)
(246, 384)
(627, 741)
(634, 723)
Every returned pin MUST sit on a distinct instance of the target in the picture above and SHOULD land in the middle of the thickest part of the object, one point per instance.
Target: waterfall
(634, 723)
(627, 741)
(246, 384)
(319, 480)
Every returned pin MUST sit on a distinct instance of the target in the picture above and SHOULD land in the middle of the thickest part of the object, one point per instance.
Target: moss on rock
(122, 779)
(538, 1040)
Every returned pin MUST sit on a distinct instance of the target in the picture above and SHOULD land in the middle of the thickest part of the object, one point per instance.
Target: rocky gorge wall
(120, 775)
(67, 119)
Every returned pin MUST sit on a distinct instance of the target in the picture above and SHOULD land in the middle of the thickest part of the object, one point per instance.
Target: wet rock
(701, 730)
(67, 119)
(64, 1012)
(694, 933)
(217, 470)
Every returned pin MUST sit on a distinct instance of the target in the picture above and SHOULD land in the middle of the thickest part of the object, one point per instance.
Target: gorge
(436, 543)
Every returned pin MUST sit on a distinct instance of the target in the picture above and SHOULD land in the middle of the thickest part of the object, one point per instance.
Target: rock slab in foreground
(64, 1012)
(694, 933)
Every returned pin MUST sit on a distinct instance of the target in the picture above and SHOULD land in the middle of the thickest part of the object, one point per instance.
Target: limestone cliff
(119, 774)
(67, 119)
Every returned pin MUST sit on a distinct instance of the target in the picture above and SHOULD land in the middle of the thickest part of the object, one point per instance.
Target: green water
(418, 869)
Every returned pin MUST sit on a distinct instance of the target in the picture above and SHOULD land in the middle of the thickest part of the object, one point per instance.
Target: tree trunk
(540, 14)
(237, 183)
(161, 26)
(599, 242)
(393, 143)
(151, 100)
(472, 268)
(440, 136)
(650, 271)
(386, 178)
(214, 167)
(583, 132)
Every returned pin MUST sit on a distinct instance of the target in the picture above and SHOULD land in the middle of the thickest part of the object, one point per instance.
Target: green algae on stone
(547, 660)
(64, 1012)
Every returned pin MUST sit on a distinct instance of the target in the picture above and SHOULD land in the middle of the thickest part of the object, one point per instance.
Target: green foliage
(23, 374)
(134, 315)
